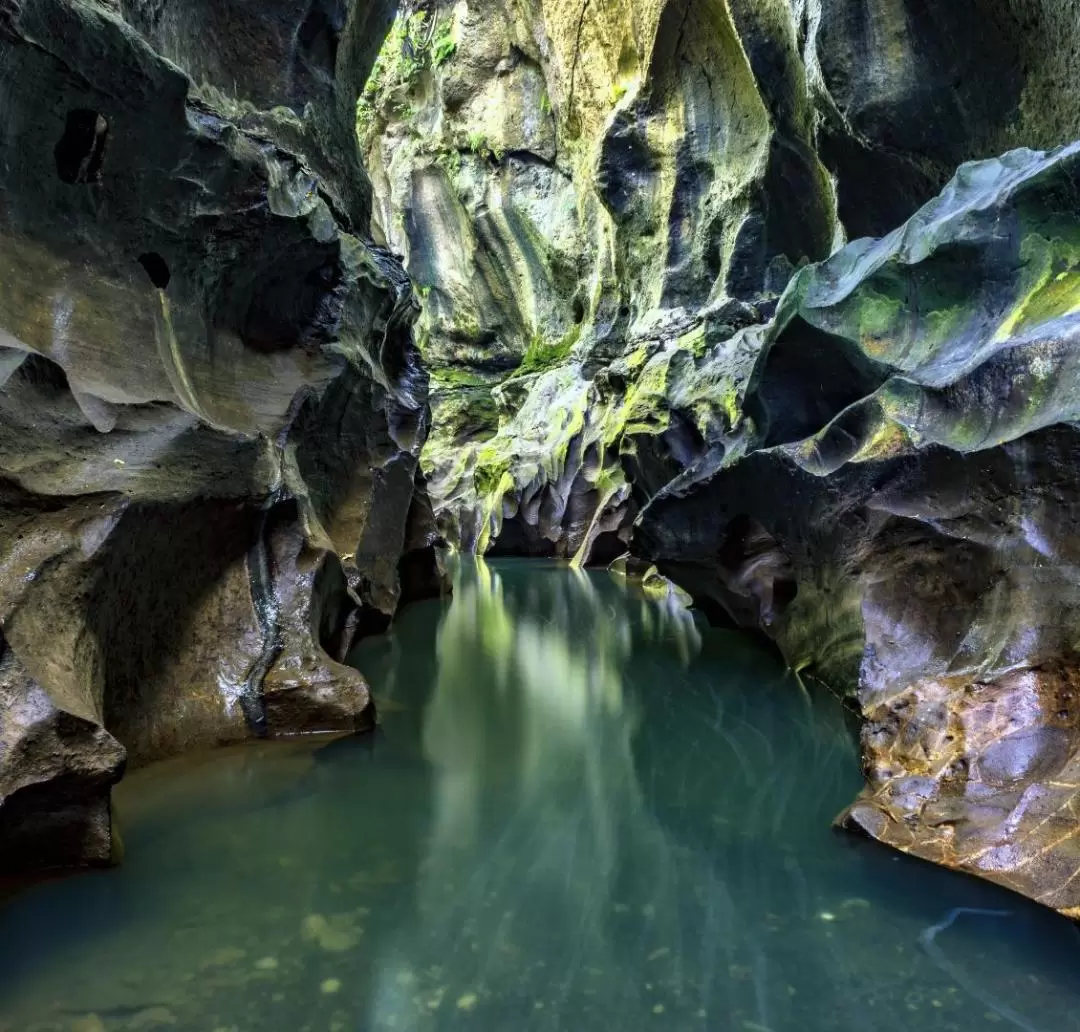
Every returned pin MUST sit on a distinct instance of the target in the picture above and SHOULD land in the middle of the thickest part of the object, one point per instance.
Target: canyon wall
(628, 226)
(211, 407)
(574, 186)
(617, 237)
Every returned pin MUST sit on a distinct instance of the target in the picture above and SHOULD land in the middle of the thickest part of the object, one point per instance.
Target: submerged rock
(210, 404)
(907, 526)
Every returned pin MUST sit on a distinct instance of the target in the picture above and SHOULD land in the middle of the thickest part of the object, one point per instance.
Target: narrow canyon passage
(488, 488)
(583, 809)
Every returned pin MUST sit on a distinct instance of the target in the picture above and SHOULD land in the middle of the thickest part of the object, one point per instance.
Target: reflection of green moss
(540, 355)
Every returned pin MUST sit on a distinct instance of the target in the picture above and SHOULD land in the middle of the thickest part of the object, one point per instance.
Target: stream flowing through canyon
(583, 808)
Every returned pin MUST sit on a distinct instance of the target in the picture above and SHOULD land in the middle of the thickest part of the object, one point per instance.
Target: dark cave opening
(156, 268)
(80, 154)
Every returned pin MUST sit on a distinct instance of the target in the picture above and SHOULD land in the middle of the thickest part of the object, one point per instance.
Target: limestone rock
(211, 408)
(897, 507)
(568, 184)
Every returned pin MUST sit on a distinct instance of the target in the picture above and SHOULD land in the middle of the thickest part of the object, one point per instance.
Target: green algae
(540, 355)
(415, 43)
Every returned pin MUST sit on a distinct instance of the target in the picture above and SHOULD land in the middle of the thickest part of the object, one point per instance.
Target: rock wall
(613, 214)
(909, 530)
(572, 182)
(210, 404)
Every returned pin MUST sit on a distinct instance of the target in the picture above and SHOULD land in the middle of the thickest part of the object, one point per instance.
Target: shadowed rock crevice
(80, 154)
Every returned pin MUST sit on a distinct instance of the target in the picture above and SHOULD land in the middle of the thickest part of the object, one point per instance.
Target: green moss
(876, 316)
(452, 377)
(540, 355)
(450, 162)
(480, 145)
(492, 466)
(443, 44)
(413, 45)
(1051, 286)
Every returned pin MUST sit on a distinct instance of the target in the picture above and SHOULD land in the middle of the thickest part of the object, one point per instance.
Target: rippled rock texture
(613, 213)
(898, 508)
(579, 185)
(211, 407)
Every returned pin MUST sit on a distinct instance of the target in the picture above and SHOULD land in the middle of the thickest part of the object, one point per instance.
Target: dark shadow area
(160, 565)
(809, 376)
(80, 154)
(156, 268)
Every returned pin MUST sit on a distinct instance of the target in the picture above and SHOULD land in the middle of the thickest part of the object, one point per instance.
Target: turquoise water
(583, 810)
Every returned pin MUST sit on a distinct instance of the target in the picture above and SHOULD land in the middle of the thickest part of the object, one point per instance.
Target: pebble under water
(583, 810)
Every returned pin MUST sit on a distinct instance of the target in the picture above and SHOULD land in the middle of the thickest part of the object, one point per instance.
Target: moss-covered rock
(566, 182)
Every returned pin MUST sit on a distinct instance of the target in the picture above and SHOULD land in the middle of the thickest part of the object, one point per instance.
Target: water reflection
(582, 810)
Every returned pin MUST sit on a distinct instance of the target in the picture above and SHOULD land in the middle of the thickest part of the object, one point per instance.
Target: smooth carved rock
(210, 404)
(570, 183)
(908, 528)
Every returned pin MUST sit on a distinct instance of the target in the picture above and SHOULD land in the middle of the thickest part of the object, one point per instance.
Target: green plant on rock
(414, 44)
(541, 355)
(479, 144)
(450, 162)
(443, 46)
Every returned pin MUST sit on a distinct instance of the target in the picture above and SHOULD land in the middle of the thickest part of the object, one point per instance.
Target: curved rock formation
(898, 510)
(572, 183)
(604, 206)
(211, 407)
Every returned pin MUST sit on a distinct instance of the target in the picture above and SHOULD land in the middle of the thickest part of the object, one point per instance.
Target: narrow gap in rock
(80, 154)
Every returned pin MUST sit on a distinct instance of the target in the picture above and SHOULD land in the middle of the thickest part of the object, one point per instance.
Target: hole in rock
(156, 268)
(80, 154)
(579, 311)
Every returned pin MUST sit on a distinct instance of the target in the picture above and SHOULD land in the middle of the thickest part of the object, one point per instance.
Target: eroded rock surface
(211, 407)
(612, 212)
(908, 525)
(575, 188)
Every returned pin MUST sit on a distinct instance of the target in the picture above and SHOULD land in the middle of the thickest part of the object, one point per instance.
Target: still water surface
(583, 811)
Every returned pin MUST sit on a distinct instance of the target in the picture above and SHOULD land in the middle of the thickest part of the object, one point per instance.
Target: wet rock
(907, 531)
(211, 407)
(55, 778)
(567, 186)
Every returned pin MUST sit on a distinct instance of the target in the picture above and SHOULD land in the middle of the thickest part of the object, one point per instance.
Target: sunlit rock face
(909, 525)
(570, 188)
(210, 409)
(577, 188)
